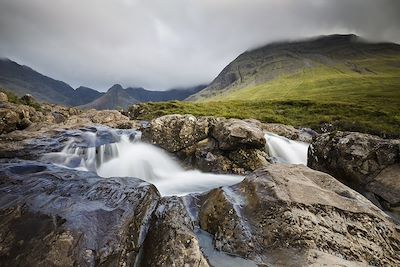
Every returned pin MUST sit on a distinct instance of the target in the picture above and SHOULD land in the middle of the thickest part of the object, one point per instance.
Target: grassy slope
(367, 102)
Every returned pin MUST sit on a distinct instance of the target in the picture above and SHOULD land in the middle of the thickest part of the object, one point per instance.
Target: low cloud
(162, 44)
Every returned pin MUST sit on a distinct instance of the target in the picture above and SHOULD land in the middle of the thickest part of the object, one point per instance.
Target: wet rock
(366, 163)
(171, 240)
(176, 132)
(249, 159)
(232, 134)
(238, 148)
(58, 217)
(292, 215)
(3, 97)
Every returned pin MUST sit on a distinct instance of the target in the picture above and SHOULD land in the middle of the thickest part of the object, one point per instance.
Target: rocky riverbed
(341, 210)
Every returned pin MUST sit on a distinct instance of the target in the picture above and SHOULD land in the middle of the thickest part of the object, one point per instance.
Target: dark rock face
(210, 144)
(365, 162)
(171, 240)
(290, 215)
(58, 217)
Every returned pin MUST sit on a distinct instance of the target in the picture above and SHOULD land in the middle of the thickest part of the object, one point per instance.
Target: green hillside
(340, 80)
(378, 87)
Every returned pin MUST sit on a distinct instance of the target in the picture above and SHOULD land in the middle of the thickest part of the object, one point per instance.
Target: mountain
(118, 97)
(24, 80)
(86, 95)
(144, 95)
(334, 67)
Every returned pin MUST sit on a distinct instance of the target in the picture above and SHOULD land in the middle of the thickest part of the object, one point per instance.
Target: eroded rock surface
(171, 240)
(210, 144)
(367, 163)
(176, 132)
(292, 215)
(57, 217)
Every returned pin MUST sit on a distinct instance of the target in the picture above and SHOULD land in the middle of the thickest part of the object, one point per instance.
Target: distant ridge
(280, 68)
(23, 80)
(118, 97)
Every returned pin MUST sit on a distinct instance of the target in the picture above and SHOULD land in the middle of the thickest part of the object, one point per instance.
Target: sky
(161, 44)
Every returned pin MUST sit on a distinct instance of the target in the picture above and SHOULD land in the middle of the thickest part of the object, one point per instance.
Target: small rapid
(120, 153)
(129, 157)
(283, 150)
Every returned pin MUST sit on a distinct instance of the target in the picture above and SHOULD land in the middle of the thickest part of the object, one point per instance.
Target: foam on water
(283, 150)
(133, 158)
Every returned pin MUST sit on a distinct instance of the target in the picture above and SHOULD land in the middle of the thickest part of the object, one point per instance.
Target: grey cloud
(164, 44)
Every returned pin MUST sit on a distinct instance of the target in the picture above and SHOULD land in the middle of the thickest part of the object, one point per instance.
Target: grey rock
(290, 215)
(365, 162)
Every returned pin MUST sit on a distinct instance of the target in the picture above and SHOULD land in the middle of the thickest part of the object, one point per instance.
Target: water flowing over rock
(52, 216)
(112, 153)
(367, 163)
(290, 215)
(283, 150)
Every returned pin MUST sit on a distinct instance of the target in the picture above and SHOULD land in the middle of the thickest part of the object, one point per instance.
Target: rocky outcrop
(58, 217)
(290, 215)
(233, 134)
(171, 240)
(367, 163)
(3, 97)
(176, 132)
(17, 117)
(210, 144)
(110, 118)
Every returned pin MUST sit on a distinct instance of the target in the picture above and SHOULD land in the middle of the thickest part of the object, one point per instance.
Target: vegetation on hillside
(300, 113)
(13, 98)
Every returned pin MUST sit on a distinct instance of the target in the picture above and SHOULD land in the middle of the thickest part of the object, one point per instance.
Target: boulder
(291, 215)
(17, 117)
(58, 217)
(110, 118)
(210, 144)
(176, 132)
(365, 162)
(3, 97)
(233, 134)
(171, 240)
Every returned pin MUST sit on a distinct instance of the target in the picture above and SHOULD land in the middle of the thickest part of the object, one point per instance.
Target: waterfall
(129, 157)
(283, 150)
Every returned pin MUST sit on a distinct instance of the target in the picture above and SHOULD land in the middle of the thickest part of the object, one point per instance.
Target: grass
(365, 99)
(299, 113)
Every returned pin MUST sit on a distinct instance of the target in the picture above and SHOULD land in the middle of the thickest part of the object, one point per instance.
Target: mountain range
(333, 67)
(22, 80)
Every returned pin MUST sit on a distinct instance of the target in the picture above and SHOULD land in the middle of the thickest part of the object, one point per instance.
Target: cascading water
(283, 150)
(128, 157)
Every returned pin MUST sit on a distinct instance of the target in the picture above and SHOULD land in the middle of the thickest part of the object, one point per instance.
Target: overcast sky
(160, 44)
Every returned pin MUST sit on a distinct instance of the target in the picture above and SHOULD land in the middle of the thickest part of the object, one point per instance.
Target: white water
(283, 150)
(136, 159)
(133, 158)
